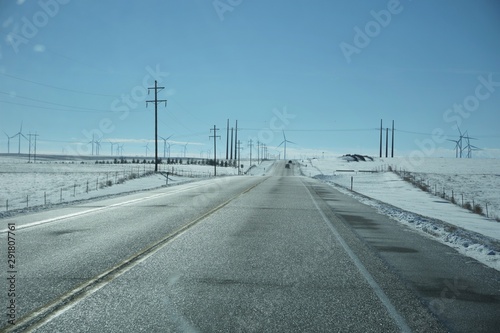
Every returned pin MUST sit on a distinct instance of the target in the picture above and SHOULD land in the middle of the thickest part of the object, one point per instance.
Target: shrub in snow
(478, 209)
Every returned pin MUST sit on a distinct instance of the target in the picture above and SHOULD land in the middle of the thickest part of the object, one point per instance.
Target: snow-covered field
(477, 179)
(55, 180)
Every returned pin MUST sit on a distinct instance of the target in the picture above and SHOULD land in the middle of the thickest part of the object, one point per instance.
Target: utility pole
(386, 142)
(392, 147)
(156, 101)
(250, 144)
(258, 152)
(227, 140)
(236, 140)
(34, 155)
(232, 130)
(32, 144)
(215, 136)
(238, 146)
(380, 155)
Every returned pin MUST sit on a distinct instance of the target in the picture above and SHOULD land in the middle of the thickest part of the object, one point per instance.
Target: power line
(62, 110)
(315, 130)
(52, 103)
(431, 134)
(56, 87)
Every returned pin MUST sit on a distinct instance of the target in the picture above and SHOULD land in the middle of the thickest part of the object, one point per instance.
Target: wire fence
(28, 186)
(447, 190)
(188, 173)
(83, 186)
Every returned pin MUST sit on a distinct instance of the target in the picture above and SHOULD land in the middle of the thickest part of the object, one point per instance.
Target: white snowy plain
(28, 184)
(53, 180)
(477, 179)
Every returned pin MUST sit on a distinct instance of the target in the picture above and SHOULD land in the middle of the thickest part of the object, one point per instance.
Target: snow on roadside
(31, 187)
(470, 234)
(150, 182)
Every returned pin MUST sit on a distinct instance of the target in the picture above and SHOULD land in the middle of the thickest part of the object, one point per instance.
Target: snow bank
(471, 234)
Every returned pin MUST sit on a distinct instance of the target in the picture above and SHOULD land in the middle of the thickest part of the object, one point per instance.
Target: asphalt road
(276, 253)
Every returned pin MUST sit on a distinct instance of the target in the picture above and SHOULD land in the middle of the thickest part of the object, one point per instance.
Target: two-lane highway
(280, 253)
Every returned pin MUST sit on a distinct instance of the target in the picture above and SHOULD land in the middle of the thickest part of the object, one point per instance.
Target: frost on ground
(473, 235)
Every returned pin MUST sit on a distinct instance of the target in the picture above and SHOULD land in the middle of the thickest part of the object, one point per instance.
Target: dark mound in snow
(357, 158)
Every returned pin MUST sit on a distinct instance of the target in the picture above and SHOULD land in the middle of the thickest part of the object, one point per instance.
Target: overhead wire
(57, 87)
(80, 109)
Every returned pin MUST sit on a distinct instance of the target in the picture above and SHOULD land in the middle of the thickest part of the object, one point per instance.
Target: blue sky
(323, 71)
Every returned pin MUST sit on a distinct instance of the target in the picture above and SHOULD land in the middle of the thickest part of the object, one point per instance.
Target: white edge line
(114, 276)
(400, 321)
(54, 219)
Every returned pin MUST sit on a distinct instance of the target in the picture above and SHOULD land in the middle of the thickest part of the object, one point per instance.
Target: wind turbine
(457, 146)
(165, 144)
(284, 146)
(471, 149)
(147, 148)
(92, 142)
(112, 144)
(19, 134)
(119, 149)
(97, 147)
(169, 150)
(469, 146)
(8, 142)
(185, 149)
